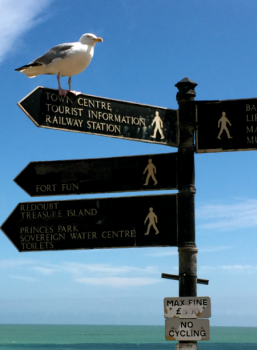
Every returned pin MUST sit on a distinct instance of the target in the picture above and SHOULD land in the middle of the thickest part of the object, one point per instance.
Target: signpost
(187, 307)
(145, 221)
(189, 329)
(226, 125)
(137, 173)
(101, 116)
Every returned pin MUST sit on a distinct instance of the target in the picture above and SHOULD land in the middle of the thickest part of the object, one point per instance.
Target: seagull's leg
(74, 92)
(61, 91)
(59, 84)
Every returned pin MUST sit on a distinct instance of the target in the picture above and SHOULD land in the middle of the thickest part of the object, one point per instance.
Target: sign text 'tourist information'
(101, 116)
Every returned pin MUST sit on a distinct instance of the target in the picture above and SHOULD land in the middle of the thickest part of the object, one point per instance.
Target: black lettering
(178, 311)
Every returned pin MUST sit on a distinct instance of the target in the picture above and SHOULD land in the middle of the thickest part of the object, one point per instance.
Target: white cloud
(16, 18)
(163, 253)
(242, 214)
(213, 249)
(207, 268)
(24, 278)
(77, 268)
(93, 274)
(249, 269)
(10, 263)
(236, 269)
(43, 270)
(118, 281)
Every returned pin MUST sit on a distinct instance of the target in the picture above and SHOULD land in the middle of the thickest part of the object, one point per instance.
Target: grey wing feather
(58, 51)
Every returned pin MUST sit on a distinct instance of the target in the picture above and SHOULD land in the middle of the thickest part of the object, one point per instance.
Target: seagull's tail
(31, 71)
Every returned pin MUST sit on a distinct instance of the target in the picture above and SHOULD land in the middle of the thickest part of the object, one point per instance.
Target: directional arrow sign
(101, 116)
(226, 125)
(137, 173)
(146, 221)
(188, 329)
(187, 307)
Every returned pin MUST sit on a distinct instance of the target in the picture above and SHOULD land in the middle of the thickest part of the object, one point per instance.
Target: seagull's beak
(98, 40)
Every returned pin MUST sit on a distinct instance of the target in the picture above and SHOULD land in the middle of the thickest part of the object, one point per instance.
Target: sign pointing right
(226, 125)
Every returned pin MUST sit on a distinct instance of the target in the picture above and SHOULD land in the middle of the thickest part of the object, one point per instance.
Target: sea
(92, 337)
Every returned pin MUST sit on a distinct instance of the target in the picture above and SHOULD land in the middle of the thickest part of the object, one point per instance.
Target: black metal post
(186, 196)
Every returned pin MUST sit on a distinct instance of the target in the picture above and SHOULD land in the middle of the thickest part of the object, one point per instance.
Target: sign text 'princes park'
(145, 221)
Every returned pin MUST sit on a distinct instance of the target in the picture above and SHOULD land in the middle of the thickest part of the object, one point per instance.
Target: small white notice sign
(187, 307)
(190, 329)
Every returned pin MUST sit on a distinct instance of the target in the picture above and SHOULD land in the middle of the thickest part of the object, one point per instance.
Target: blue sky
(148, 47)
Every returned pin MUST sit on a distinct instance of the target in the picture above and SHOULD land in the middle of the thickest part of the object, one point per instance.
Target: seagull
(64, 60)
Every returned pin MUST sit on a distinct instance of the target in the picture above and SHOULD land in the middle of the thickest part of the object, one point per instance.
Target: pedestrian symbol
(151, 169)
(222, 124)
(152, 217)
(158, 126)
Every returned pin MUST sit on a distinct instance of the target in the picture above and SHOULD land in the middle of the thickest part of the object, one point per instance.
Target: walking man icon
(158, 125)
(151, 168)
(152, 217)
(222, 124)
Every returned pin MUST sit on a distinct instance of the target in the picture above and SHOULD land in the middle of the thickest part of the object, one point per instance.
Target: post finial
(186, 89)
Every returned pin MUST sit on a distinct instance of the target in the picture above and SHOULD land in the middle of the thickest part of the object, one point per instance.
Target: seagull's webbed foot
(63, 92)
(76, 93)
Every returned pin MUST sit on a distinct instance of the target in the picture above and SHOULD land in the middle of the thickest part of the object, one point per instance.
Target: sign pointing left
(101, 116)
(145, 221)
(120, 174)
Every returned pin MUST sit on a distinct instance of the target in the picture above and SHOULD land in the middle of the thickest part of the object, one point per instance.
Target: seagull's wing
(59, 51)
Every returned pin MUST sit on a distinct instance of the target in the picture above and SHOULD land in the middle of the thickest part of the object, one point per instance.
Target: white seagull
(64, 60)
